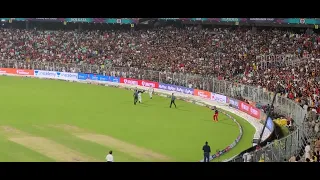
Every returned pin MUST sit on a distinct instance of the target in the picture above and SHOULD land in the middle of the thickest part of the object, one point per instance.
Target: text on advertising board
(234, 103)
(129, 81)
(67, 76)
(203, 94)
(45, 74)
(22, 72)
(218, 98)
(149, 84)
(171, 87)
(144, 83)
(247, 108)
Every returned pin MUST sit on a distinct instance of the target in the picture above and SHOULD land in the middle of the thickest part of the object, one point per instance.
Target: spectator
(307, 150)
(314, 157)
(317, 145)
(247, 157)
(109, 157)
(293, 159)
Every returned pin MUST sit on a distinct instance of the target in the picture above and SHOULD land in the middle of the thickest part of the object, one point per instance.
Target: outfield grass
(48, 120)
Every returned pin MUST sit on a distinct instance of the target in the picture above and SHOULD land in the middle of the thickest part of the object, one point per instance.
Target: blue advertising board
(181, 89)
(95, 77)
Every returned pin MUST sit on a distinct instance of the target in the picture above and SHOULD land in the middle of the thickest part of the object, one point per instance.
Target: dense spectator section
(232, 54)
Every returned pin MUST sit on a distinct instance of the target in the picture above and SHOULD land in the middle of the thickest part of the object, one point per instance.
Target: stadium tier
(240, 62)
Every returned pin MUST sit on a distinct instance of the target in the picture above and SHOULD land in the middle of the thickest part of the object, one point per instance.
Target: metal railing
(275, 151)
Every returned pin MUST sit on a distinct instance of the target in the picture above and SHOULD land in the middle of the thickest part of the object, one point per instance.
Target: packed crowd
(227, 53)
(230, 54)
(311, 153)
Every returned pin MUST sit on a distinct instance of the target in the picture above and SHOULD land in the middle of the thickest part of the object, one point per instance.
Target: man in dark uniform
(206, 152)
(135, 96)
(173, 98)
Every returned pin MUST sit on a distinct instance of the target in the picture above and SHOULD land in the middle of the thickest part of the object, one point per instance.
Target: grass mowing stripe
(124, 147)
(43, 146)
(13, 152)
(83, 146)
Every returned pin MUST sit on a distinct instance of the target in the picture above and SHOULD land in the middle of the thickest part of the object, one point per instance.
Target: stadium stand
(211, 59)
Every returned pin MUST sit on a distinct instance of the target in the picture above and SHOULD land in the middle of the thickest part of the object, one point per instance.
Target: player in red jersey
(215, 116)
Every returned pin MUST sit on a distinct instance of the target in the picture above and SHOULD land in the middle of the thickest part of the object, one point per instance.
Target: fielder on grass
(151, 91)
(173, 98)
(216, 113)
(135, 97)
(140, 95)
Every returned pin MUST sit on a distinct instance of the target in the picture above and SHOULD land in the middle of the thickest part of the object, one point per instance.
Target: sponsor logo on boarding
(104, 78)
(172, 88)
(67, 76)
(3, 71)
(218, 98)
(253, 111)
(244, 107)
(130, 81)
(45, 74)
(148, 84)
(17, 71)
(24, 72)
(234, 103)
(188, 91)
(203, 94)
(180, 89)
(163, 86)
(115, 79)
(94, 77)
(82, 76)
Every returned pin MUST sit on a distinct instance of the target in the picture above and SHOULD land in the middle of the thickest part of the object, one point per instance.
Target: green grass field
(48, 120)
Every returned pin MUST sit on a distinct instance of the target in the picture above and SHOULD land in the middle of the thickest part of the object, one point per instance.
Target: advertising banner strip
(201, 93)
(56, 75)
(46, 19)
(22, 72)
(233, 103)
(247, 108)
(45, 74)
(137, 82)
(181, 89)
(218, 98)
(67, 76)
(95, 77)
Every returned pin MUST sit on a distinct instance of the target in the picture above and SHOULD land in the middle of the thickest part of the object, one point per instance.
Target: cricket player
(140, 96)
(135, 97)
(215, 116)
(173, 98)
(151, 91)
